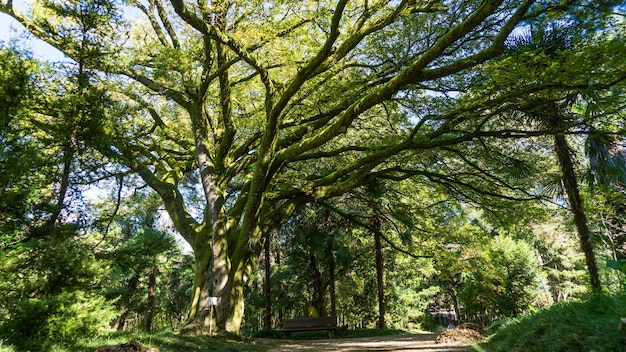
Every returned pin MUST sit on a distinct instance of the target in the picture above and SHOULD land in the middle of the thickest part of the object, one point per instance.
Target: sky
(11, 29)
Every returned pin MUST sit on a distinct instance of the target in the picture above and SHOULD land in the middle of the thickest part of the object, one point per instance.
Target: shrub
(581, 325)
(503, 280)
(61, 317)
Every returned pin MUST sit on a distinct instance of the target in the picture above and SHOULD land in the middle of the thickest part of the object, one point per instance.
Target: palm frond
(550, 40)
(607, 159)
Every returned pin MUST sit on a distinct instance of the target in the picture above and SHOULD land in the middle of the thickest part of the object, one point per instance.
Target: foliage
(504, 261)
(175, 290)
(15, 83)
(556, 246)
(503, 279)
(133, 244)
(47, 292)
(236, 120)
(408, 294)
(168, 341)
(48, 273)
(554, 50)
(51, 279)
(300, 254)
(22, 185)
(609, 216)
(165, 341)
(592, 324)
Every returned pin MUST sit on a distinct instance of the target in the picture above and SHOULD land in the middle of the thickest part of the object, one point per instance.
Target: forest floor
(406, 343)
(457, 339)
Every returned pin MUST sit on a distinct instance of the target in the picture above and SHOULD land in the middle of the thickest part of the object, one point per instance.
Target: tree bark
(318, 284)
(68, 156)
(221, 276)
(380, 277)
(267, 291)
(152, 276)
(120, 322)
(330, 257)
(281, 293)
(570, 184)
(229, 292)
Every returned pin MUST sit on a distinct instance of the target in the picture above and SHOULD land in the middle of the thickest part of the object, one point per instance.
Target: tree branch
(354, 219)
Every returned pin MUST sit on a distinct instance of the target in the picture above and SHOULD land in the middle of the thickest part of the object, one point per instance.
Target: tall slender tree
(553, 53)
(267, 284)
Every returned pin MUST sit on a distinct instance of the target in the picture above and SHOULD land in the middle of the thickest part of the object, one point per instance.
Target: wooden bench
(311, 324)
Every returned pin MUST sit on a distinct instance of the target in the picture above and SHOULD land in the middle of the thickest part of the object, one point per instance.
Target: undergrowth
(167, 341)
(583, 325)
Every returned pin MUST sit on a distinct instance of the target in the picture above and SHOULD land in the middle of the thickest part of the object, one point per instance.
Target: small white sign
(212, 301)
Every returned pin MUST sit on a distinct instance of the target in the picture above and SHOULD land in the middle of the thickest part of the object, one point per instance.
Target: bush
(589, 325)
(81, 315)
(62, 317)
(49, 290)
(503, 280)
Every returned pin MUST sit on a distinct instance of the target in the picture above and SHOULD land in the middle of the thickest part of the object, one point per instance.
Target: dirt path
(405, 343)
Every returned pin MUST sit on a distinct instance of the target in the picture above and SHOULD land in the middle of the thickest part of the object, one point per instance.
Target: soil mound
(131, 346)
(465, 333)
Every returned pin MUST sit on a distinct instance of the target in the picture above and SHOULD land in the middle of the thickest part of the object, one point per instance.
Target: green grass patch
(165, 341)
(586, 325)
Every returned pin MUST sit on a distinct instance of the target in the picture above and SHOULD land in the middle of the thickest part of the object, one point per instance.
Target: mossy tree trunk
(570, 183)
(553, 115)
(267, 289)
(380, 267)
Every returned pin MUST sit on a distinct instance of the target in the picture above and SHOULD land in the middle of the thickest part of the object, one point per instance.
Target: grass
(167, 341)
(589, 325)
(584, 325)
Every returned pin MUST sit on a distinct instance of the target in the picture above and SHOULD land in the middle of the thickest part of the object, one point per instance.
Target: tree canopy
(238, 112)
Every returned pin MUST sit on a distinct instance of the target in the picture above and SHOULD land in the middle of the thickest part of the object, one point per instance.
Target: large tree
(266, 105)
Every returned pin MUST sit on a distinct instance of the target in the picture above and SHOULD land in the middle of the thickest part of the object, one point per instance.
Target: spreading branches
(166, 22)
(374, 229)
(149, 12)
(216, 33)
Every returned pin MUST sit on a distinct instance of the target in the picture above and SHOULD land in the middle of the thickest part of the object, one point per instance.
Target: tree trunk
(281, 293)
(121, 319)
(570, 183)
(199, 310)
(120, 322)
(266, 285)
(151, 296)
(227, 289)
(455, 303)
(68, 156)
(318, 284)
(330, 256)
(213, 279)
(379, 277)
